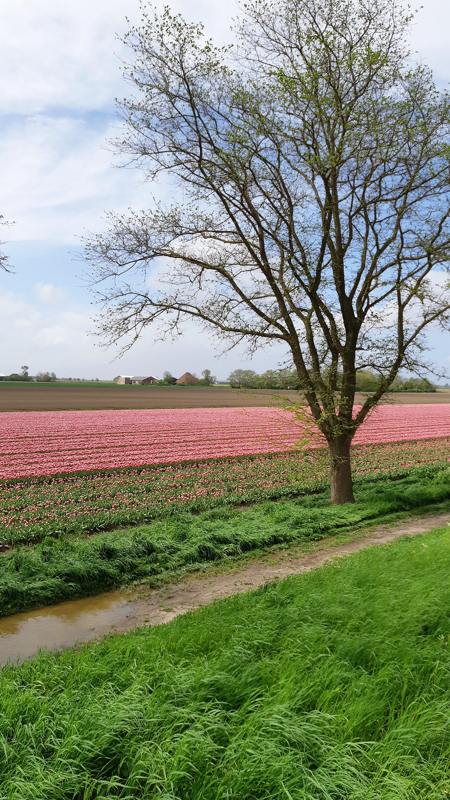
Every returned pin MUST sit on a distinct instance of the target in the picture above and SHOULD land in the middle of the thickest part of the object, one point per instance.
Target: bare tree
(312, 166)
(4, 264)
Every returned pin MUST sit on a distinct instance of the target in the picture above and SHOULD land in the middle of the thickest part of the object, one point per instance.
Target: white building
(123, 379)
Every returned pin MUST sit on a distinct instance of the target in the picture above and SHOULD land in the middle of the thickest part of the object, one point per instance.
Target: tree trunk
(341, 470)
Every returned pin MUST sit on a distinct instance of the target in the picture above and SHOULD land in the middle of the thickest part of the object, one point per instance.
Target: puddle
(76, 621)
(65, 624)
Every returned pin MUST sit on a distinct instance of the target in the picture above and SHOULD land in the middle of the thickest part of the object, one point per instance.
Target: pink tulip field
(67, 477)
(54, 442)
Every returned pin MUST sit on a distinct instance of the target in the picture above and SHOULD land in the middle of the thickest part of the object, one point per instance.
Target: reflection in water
(23, 635)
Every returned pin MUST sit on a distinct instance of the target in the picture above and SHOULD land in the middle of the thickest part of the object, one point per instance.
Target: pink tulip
(51, 442)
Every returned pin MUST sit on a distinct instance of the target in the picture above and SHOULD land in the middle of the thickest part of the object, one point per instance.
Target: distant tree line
(366, 381)
(207, 379)
(271, 379)
(24, 376)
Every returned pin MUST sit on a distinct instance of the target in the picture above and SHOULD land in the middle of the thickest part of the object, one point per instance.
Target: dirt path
(195, 591)
(66, 624)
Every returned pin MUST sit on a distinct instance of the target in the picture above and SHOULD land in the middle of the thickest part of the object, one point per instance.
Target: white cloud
(66, 53)
(40, 338)
(61, 70)
(59, 53)
(58, 178)
(429, 37)
(62, 59)
(60, 339)
(49, 293)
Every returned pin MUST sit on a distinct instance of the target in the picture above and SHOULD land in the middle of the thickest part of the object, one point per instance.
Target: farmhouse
(123, 379)
(135, 379)
(187, 379)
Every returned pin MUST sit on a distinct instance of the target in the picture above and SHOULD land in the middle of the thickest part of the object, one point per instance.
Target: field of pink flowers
(31, 508)
(48, 443)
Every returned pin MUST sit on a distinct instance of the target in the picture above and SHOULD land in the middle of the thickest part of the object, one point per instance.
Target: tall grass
(59, 569)
(329, 686)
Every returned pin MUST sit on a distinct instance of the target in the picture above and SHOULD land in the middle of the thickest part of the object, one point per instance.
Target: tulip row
(49, 443)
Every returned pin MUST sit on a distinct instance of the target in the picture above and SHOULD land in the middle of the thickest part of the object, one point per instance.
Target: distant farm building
(123, 379)
(142, 379)
(135, 379)
(187, 379)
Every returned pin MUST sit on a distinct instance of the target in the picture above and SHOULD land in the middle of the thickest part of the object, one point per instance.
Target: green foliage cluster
(45, 377)
(24, 377)
(69, 566)
(15, 376)
(329, 685)
(412, 385)
(366, 381)
(271, 379)
(167, 379)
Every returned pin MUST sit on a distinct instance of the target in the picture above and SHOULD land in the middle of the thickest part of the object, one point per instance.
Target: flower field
(32, 508)
(81, 471)
(50, 443)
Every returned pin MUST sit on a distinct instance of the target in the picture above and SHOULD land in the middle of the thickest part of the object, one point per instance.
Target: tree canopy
(312, 162)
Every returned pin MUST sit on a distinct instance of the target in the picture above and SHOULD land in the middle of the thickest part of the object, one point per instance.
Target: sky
(61, 72)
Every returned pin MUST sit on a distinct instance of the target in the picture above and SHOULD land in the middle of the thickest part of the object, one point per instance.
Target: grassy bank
(73, 566)
(330, 685)
(32, 509)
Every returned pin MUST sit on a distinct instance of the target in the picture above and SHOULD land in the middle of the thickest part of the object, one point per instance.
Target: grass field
(323, 688)
(72, 566)
(327, 686)
(105, 395)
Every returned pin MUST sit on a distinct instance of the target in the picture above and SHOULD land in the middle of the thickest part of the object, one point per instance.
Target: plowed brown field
(45, 397)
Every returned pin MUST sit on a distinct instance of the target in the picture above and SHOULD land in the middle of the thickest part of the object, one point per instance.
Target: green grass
(30, 509)
(73, 566)
(145, 387)
(328, 686)
(52, 384)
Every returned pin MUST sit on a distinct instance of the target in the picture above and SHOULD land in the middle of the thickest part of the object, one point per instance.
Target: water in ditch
(66, 624)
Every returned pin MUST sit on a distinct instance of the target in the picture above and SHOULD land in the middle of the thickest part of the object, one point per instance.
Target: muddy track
(66, 624)
(196, 591)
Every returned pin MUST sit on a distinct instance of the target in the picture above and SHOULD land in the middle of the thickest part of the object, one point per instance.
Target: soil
(54, 397)
(66, 624)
